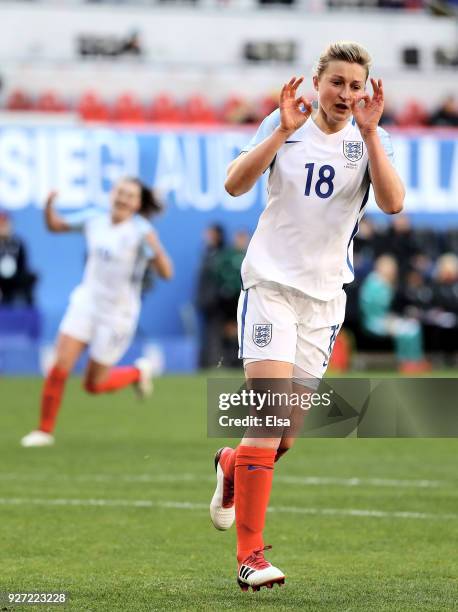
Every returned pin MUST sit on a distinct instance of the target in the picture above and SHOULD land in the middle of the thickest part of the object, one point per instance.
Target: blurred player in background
(104, 309)
(292, 303)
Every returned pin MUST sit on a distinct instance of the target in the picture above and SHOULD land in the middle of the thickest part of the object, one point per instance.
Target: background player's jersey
(317, 191)
(117, 255)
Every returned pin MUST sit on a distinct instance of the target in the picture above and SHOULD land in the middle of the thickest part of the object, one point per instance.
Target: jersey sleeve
(77, 220)
(144, 228)
(385, 139)
(266, 128)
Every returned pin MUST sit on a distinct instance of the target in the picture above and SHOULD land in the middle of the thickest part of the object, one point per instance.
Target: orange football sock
(51, 398)
(117, 378)
(254, 469)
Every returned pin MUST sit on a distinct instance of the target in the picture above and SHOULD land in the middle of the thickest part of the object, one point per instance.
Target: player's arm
(244, 171)
(160, 261)
(53, 221)
(388, 188)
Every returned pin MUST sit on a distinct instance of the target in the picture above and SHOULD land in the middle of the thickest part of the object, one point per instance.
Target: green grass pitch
(116, 513)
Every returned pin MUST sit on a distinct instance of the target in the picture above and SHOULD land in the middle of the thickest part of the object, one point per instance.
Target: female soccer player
(292, 303)
(104, 309)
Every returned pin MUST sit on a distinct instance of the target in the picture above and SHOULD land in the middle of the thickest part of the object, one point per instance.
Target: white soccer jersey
(318, 188)
(117, 255)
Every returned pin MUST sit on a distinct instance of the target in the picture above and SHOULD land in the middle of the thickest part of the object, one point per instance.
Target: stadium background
(116, 513)
(94, 91)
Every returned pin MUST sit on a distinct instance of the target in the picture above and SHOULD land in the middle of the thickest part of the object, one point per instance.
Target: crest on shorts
(353, 149)
(262, 334)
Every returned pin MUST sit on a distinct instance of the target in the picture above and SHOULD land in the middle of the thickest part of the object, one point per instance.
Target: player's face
(125, 200)
(338, 86)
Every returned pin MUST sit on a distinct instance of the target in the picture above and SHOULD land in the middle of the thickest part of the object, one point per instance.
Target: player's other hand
(294, 110)
(51, 198)
(368, 115)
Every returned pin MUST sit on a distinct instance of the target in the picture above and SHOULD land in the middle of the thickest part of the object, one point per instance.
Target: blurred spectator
(207, 298)
(16, 281)
(237, 110)
(415, 295)
(434, 302)
(378, 319)
(267, 105)
(446, 286)
(228, 265)
(446, 115)
(365, 248)
(443, 8)
(413, 114)
(391, 4)
(399, 241)
(389, 116)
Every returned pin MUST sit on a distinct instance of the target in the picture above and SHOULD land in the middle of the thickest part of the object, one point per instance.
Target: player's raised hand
(368, 115)
(53, 221)
(294, 110)
(50, 198)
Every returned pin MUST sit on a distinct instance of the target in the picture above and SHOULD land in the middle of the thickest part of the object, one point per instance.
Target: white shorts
(279, 323)
(107, 334)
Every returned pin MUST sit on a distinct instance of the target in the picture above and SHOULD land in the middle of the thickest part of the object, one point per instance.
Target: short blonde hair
(344, 51)
(447, 267)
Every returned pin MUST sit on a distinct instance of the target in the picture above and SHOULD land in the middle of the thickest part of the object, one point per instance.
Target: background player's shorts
(107, 335)
(282, 324)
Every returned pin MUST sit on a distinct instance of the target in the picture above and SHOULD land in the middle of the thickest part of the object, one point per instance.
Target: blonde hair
(447, 267)
(344, 51)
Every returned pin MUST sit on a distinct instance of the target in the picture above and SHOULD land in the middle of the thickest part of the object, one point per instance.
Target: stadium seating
(91, 107)
(18, 100)
(128, 109)
(50, 102)
(165, 108)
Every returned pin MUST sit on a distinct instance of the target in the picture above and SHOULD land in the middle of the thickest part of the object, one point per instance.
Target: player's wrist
(284, 132)
(369, 134)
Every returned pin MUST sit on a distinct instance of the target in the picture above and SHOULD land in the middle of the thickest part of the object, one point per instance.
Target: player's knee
(62, 365)
(58, 373)
(90, 386)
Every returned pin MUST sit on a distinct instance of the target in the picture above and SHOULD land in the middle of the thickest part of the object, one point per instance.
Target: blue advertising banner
(188, 168)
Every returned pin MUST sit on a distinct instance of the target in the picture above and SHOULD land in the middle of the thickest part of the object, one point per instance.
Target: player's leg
(255, 457)
(253, 475)
(303, 383)
(266, 326)
(320, 323)
(101, 378)
(68, 351)
(267, 336)
(109, 343)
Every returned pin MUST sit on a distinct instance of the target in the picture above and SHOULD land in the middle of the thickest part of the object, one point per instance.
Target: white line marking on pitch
(294, 480)
(146, 503)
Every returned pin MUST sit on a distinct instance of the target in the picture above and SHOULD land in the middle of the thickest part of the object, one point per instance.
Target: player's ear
(315, 82)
